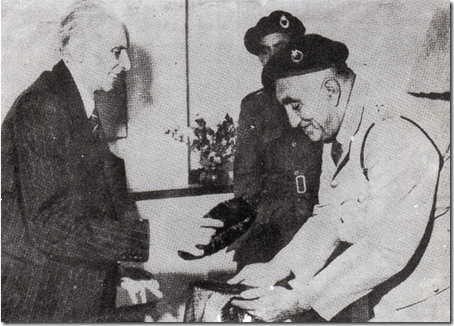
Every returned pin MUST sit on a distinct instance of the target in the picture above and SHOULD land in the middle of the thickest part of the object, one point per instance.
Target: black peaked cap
(277, 22)
(306, 54)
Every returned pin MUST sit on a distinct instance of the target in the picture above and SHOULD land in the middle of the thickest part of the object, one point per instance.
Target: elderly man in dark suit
(66, 220)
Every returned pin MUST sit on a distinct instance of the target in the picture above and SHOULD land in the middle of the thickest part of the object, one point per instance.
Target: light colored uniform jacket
(380, 200)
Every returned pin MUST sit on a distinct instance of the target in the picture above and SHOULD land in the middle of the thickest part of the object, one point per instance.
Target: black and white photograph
(225, 161)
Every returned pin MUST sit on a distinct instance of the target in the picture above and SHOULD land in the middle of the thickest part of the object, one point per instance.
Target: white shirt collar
(88, 98)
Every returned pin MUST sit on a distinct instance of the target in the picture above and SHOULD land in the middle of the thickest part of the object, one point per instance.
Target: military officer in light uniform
(378, 230)
(276, 168)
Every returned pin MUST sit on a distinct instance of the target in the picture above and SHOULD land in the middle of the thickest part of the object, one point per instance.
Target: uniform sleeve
(65, 215)
(310, 248)
(403, 169)
(248, 163)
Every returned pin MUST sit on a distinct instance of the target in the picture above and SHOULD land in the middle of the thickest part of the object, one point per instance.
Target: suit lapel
(65, 86)
(81, 130)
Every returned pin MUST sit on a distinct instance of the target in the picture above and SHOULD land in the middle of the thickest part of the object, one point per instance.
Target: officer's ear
(331, 89)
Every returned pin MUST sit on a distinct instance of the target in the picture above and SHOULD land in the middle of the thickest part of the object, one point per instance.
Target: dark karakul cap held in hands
(307, 54)
(277, 22)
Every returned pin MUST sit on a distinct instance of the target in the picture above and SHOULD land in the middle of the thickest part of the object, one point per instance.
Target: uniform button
(334, 184)
(296, 172)
(293, 143)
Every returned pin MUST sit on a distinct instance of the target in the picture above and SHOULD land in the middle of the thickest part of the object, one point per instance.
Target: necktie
(336, 151)
(95, 124)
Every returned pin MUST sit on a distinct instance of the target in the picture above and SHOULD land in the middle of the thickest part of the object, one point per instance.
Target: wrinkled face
(271, 44)
(310, 105)
(101, 54)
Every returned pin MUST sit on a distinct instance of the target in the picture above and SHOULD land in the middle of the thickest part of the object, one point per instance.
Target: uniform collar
(86, 95)
(353, 115)
(351, 123)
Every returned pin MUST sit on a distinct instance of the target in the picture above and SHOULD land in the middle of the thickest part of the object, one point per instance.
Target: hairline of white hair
(78, 18)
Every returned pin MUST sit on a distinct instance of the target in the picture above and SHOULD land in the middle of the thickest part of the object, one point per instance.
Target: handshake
(230, 220)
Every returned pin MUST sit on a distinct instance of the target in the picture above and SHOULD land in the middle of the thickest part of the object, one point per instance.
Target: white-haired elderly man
(66, 219)
(378, 229)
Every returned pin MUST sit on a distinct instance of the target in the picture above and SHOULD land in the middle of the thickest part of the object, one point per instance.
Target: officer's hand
(231, 211)
(220, 227)
(206, 232)
(261, 275)
(272, 304)
(201, 237)
(141, 291)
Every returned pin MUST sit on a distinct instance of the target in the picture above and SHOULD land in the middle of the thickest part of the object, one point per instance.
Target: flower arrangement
(216, 148)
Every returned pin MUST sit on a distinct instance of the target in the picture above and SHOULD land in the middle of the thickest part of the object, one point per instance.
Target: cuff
(139, 242)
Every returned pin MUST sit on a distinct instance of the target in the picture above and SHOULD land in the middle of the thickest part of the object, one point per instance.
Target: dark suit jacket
(270, 155)
(63, 208)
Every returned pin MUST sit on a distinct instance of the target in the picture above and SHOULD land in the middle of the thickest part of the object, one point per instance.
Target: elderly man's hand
(141, 291)
(261, 275)
(272, 304)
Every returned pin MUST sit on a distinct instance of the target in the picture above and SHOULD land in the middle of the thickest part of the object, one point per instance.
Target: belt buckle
(300, 184)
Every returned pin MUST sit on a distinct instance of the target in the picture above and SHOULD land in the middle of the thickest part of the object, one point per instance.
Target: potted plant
(216, 148)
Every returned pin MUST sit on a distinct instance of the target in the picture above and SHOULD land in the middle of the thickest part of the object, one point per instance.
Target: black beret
(276, 22)
(308, 53)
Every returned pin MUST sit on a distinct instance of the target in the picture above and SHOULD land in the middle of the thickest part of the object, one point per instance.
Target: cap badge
(297, 56)
(284, 22)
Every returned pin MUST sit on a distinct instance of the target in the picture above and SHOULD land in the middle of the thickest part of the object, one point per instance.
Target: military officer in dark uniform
(276, 168)
(276, 174)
